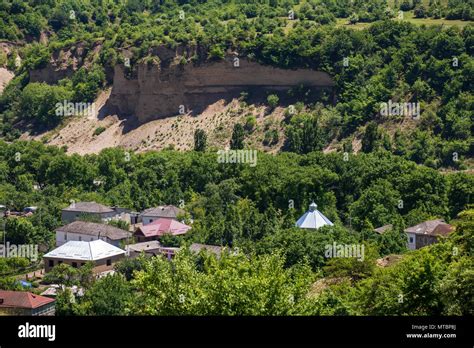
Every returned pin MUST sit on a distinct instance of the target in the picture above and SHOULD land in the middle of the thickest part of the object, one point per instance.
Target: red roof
(162, 226)
(22, 299)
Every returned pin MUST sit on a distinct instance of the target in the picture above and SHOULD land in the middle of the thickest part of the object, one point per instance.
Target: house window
(82, 264)
(80, 238)
(60, 262)
(109, 262)
(51, 263)
(411, 239)
(65, 236)
(74, 264)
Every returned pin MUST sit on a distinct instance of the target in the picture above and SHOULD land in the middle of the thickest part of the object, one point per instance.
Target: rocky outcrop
(6, 47)
(65, 62)
(5, 77)
(180, 80)
(160, 90)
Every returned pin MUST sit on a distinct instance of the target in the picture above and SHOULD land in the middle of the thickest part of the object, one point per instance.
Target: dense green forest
(233, 203)
(406, 172)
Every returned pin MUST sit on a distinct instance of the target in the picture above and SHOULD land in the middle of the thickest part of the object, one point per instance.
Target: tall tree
(238, 135)
(200, 140)
(371, 138)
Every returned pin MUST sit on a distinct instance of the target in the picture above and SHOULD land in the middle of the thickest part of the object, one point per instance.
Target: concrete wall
(46, 310)
(420, 240)
(70, 216)
(63, 237)
(100, 265)
(148, 219)
(411, 241)
(424, 240)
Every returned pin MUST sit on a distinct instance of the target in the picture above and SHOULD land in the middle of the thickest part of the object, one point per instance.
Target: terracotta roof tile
(22, 299)
(162, 226)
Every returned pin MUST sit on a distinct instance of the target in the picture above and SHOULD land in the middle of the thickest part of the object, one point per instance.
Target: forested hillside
(390, 60)
(232, 204)
(365, 164)
(254, 209)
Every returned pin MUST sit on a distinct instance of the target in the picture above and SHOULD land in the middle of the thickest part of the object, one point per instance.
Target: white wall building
(83, 231)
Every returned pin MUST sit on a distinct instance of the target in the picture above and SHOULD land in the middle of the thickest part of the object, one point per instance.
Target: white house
(78, 253)
(313, 219)
(89, 231)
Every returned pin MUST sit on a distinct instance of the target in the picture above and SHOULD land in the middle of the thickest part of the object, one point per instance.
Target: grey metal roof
(95, 229)
(88, 251)
(167, 211)
(426, 227)
(89, 207)
(143, 246)
(383, 228)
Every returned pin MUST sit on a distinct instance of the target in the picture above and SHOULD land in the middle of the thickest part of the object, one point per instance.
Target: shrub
(250, 123)
(273, 100)
(99, 130)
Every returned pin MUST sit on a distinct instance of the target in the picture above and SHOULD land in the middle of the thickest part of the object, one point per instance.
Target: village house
(27, 212)
(25, 303)
(150, 248)
(154, 248)
(166, 211)
(78, 210)
(89, 231)
(160, 227)
(427, 233)
(77, 253)
(313, 219)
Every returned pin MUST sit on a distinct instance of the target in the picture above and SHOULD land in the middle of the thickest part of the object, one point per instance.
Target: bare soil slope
(5, 77)
(218, 120)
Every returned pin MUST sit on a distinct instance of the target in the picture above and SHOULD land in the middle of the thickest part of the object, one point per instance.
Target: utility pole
(4, 233)
(4, 238)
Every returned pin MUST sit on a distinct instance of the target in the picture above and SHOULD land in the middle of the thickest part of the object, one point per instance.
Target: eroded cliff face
(178, 80)
(161, 90)
(7, 48)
